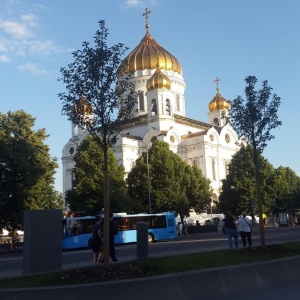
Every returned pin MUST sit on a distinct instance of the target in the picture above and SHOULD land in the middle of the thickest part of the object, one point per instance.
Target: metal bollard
(142, 240)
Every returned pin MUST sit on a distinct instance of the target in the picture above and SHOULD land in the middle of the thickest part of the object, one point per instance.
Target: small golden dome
(144, 56)
(218, 103)
(158, 81)
(81, 107)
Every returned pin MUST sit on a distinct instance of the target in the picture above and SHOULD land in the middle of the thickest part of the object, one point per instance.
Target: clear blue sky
(230, 39)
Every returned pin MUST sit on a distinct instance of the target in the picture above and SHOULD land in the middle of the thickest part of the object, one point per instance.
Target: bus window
(76, 232)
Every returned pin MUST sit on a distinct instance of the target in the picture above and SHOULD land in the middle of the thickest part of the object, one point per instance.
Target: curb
(217, 283)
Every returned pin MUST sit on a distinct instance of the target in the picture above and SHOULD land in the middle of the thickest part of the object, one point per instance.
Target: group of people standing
(232, 227)
(98, 240)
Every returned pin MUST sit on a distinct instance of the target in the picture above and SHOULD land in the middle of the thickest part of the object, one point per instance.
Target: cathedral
(160, 114)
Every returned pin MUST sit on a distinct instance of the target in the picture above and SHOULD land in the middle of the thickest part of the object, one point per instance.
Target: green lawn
(154, 266)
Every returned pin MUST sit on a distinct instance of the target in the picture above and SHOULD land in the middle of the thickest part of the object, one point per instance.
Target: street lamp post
(148, 176)
(211, 205)
(148, 170)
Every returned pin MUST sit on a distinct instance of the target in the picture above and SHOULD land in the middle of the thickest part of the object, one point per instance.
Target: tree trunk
(259, 205)
(106, 210)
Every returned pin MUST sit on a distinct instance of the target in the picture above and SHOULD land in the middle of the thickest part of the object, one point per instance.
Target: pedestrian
(97, 244)
(230, 229)
(198, 227)
(180, 228)
(113, 230)
(185, 228)
(245, 228)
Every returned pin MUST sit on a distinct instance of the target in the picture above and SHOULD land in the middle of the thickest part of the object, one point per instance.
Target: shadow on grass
(156, 266)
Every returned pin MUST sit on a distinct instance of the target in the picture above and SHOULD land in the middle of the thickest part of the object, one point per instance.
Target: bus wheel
(150, 238)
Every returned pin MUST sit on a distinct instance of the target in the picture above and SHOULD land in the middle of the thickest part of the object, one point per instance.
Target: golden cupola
(144, 56)
(81, 107)
(218, 102)
(158, 81)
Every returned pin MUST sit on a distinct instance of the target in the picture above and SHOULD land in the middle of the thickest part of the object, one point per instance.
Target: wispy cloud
(133, 3)
(42, 47)
(139, 3)
(20, 31)
(4, 58)
(33, 69)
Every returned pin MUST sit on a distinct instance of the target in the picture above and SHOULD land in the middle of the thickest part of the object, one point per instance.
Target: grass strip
(153, 266)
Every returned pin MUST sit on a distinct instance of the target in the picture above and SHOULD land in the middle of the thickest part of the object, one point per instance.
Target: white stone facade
(198, 143)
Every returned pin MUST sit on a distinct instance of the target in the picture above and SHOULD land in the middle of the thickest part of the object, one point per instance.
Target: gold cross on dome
(146, 15)
(217, 80)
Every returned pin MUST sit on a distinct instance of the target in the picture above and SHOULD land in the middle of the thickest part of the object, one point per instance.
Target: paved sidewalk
(238, 282)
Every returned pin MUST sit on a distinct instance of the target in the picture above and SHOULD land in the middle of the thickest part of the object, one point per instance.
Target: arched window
(141, 102)
(154, 106)
(168, 107)
(213, 165)
(177, 103)
(75, 129)
(216, 121)
(73, 178)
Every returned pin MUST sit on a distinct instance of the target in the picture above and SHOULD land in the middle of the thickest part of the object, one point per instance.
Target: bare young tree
(99, 97)
(253, 119)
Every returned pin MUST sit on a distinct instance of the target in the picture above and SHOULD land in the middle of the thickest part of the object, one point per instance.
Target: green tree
(296, 198)
(174, 185)
(26, 170)
(286, 184)
(253, 119)
(137, 186)
(100, 97)
(166, 173)
(196, 187)
(87, 195)
(239, 187)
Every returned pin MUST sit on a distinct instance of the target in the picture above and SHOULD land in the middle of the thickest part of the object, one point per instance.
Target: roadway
(11, 265)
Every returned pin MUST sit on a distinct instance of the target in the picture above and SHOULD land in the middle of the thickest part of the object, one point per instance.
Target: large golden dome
(218, 103)
(158, 81)
(144, 56)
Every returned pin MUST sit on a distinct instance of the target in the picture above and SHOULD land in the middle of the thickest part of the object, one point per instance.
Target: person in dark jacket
(113, 230)
(97, 244)
(230, 229)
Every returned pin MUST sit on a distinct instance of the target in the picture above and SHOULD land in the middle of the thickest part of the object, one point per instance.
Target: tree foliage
(87, 195)
(253, 119)
(287, 186)
(26, 170)
(279, 186)
(99, 98)
(239, 187)
(174, 185)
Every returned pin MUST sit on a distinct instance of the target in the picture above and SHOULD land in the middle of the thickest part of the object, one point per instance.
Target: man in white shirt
(245, 228)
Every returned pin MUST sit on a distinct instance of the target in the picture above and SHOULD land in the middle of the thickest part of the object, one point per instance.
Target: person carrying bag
(245, 229)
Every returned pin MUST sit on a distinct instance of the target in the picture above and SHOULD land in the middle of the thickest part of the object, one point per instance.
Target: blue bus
(161, 226)
(77, 231)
